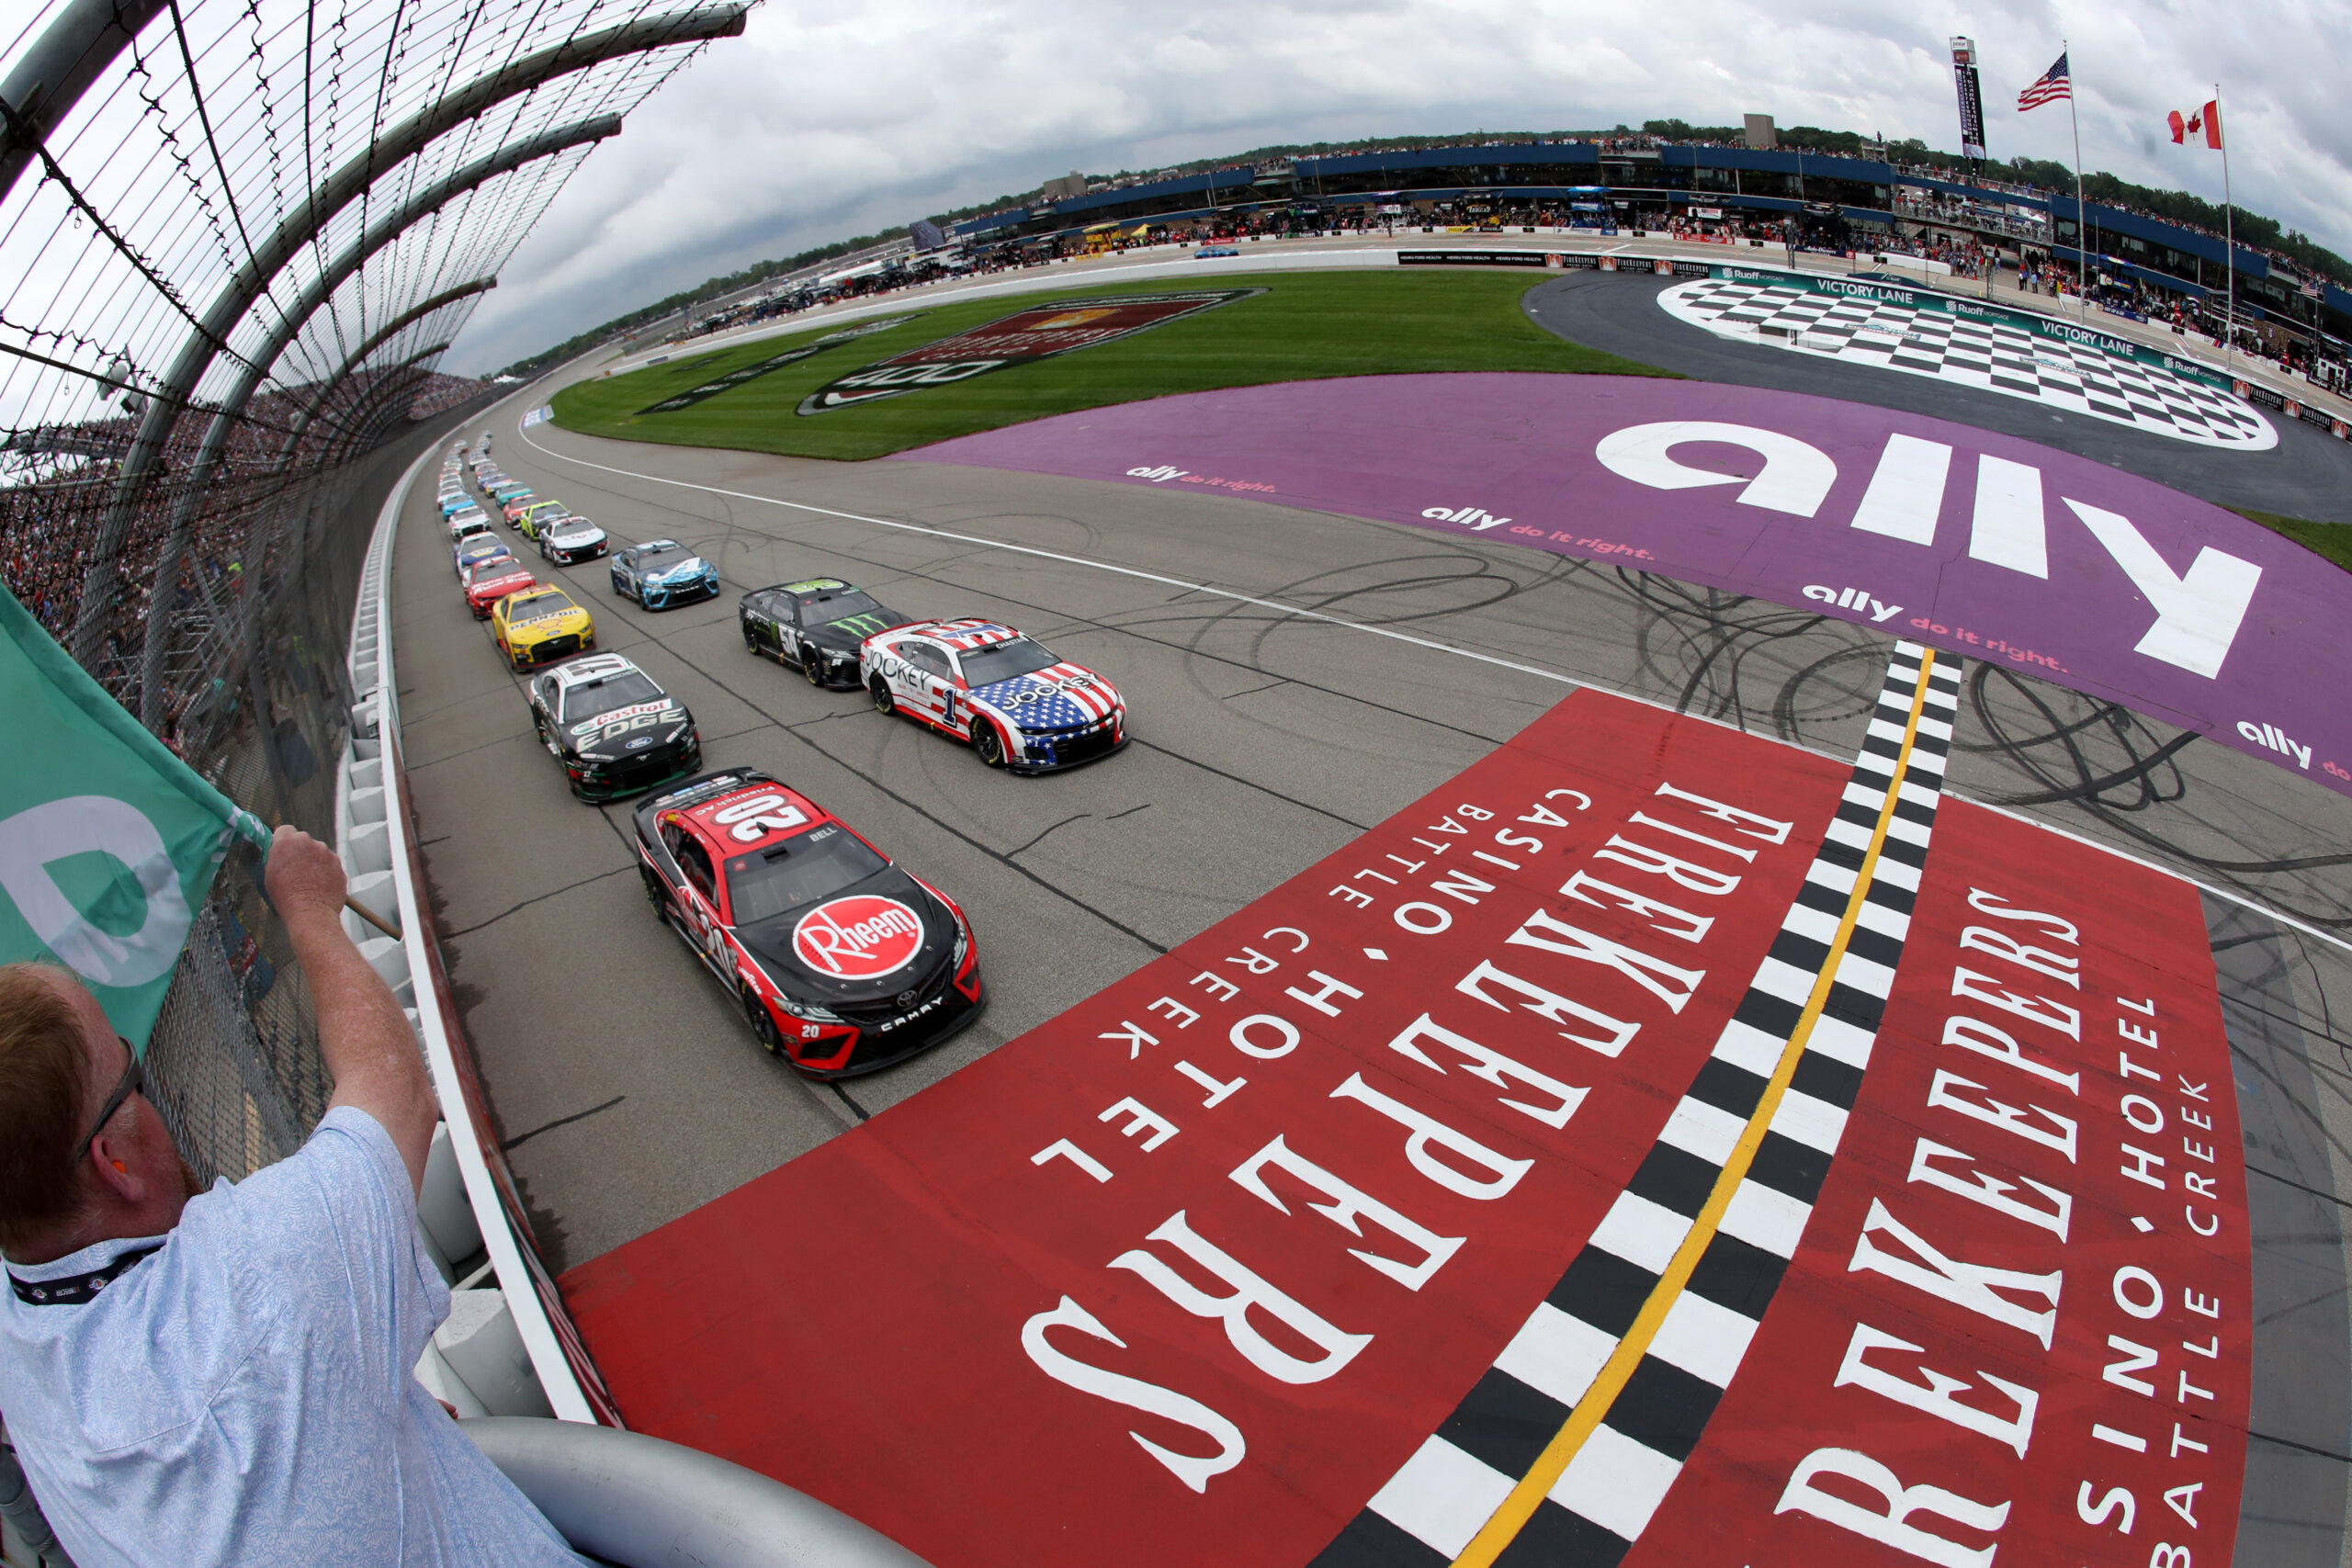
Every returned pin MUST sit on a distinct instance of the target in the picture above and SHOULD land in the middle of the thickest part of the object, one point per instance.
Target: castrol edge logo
(858, 938)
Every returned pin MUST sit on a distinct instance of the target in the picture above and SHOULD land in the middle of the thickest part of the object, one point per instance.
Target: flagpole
(2082, 228)
(2229, 248)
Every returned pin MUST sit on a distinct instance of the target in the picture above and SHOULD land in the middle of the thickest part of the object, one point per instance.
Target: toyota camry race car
(842, 962)
(571, 539)
(491, 579)
(1018, 706)
(539, 625)
(814, 626)
(612, 726)
(661, 574)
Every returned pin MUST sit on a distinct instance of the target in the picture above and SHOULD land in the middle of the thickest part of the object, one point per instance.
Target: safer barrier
(511, 1350)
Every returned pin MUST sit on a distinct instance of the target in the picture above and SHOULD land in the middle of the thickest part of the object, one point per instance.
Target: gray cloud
(825, 122)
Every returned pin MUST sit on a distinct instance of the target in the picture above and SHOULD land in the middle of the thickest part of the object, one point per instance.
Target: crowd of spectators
(57, 485)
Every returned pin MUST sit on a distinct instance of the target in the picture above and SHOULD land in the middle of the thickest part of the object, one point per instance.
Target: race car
(843, 962)
(466, 524)
(537, 515)
(455, 501)
(815, 627)
(514, 502)
(476, 548)
(1018, 706)
(539, 625)
(662, 573)
(489, 580)
(572, 539)
(612, 726)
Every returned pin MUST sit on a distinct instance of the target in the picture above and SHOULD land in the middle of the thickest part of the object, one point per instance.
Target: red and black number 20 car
(842, 962)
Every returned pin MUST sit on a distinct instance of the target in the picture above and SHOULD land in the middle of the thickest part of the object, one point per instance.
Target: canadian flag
(2208, 121)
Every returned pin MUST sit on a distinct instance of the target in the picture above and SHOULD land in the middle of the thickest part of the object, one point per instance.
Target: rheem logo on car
(858, 938)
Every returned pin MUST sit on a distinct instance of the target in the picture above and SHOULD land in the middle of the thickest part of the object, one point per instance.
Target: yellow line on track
(1507, 1520)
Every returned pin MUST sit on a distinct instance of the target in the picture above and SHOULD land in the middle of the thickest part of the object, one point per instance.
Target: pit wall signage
(1187, 1274)
(1984, 545)
(1974, 311)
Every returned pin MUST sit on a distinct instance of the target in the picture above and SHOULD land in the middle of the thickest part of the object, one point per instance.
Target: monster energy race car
(815, 627)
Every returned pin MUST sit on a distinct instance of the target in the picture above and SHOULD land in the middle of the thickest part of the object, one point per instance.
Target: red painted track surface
(989, 1322)
(1821, 1377)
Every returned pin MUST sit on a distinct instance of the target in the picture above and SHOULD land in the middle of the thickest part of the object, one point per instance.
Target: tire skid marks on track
(1569, 1443)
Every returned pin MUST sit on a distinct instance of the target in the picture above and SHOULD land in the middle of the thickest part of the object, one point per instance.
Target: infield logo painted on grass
(1024, 338)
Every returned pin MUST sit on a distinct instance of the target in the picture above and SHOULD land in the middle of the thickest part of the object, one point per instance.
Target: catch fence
(236, 238)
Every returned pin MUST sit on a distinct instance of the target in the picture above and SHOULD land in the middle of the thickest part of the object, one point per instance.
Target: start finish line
(1659, 1145)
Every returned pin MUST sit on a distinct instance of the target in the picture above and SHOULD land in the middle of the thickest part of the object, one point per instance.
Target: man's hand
(305, 880)
(362, 1033)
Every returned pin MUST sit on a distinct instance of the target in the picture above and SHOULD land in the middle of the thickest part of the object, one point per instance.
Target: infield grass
(1306, 326)
(2330, 541)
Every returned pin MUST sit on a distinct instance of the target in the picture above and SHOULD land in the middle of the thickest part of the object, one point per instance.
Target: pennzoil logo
(1041, 332)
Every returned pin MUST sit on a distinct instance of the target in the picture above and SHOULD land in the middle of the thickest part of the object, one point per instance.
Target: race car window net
(799, 870)
(1005, 660)
(590, 698)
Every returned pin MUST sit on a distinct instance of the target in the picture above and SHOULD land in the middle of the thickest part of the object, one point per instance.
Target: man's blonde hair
(42, 1074)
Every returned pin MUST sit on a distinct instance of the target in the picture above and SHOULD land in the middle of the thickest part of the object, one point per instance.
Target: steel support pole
(376, 340)
(198, 477)
(250, 282)
(51, 76)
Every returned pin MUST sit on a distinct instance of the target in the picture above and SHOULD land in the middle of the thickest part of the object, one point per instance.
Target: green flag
(109, 843)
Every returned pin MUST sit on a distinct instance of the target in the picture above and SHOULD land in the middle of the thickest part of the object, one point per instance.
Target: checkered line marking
(1983, 355)
(1448, 1503)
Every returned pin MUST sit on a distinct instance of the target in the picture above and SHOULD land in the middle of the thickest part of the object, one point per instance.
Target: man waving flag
(108, 842)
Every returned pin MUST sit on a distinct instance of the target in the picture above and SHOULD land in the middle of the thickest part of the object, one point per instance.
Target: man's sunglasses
(133, 1081)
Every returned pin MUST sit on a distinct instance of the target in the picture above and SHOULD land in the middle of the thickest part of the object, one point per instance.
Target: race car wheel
(812, 666)
(763, 1024)
(751, 641)
(987, 743)
(883, 702)
(546, 739)
(653, 894)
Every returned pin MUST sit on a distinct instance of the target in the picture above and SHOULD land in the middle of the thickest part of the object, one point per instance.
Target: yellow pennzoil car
(539, 625)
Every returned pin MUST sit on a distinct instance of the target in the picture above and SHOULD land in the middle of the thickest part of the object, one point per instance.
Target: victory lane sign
(1024, 338)
(1186, 1274)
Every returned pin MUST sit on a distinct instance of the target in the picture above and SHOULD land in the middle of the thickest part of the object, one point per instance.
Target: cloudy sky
(827, 120)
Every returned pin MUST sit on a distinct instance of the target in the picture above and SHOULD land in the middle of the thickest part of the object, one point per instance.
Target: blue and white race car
(662, 573)
(1020, 706)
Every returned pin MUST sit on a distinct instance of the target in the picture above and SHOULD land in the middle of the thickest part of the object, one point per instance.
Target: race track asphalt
(629, 1088)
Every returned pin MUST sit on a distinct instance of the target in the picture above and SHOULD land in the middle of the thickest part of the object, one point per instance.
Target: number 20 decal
(749, 821)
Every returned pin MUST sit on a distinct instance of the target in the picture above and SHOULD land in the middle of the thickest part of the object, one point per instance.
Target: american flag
(2055, 85)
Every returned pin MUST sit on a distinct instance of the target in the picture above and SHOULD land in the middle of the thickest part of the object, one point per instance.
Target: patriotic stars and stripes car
(814, 625)
(612, 726)
(1020, 706)
(841, 961)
